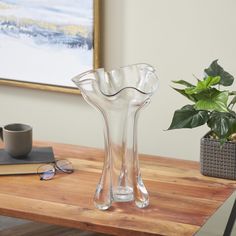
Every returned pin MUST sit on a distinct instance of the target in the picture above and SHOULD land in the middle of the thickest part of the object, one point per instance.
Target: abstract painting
(46, 41)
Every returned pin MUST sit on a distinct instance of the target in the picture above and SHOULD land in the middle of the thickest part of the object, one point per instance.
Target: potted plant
(211, 104)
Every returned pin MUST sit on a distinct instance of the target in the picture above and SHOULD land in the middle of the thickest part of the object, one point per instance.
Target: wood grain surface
(181, 199)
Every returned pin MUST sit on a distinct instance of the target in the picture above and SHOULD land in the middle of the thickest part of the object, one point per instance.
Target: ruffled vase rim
(77, 78)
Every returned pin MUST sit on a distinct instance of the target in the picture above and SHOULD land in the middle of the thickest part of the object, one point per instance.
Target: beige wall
(178, 37)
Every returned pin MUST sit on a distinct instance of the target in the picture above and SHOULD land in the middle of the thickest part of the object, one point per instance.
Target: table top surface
(181, 199)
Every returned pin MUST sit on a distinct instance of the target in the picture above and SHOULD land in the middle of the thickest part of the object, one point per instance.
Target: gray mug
(17, 139)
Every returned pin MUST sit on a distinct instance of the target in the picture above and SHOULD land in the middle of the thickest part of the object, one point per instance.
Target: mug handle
(1, 133)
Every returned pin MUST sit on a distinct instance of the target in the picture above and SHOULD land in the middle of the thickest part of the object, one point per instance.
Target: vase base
(123, 194)
(102, 207)
(142, 204)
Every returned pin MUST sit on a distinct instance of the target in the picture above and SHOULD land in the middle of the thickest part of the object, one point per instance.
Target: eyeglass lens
(46, 172)
(64, 166)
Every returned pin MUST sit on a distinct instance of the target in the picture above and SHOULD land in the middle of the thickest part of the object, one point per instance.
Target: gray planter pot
(218, 161)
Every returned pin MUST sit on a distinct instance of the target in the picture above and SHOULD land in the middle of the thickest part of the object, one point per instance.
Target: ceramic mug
(17, 139)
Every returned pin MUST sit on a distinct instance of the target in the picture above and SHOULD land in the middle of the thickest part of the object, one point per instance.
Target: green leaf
(182, 91)
(232, 93)
(233, 101)
(233, 114)
(216, 70)
(183, 82)
(210, 81)
(232, 129)
(188, 117)
(222, 124)
(212, 100)
(202, 85)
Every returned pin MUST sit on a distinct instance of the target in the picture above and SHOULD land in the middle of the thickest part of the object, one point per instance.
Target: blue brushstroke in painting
(79, 9)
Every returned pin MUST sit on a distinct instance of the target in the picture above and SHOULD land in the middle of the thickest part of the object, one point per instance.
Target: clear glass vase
(119, 95)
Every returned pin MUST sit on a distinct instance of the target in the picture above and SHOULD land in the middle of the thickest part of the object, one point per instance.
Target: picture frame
(75, 41)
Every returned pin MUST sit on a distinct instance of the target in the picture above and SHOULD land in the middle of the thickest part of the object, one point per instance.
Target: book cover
(27, 165)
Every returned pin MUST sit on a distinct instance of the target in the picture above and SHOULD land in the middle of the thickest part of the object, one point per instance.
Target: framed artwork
(45, 43)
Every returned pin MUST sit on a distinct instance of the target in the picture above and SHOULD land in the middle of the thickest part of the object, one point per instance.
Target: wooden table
(181, 199)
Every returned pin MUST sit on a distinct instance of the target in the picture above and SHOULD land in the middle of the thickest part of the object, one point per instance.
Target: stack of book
(28, 164)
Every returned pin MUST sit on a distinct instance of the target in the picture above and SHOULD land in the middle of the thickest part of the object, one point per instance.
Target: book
(27, 165)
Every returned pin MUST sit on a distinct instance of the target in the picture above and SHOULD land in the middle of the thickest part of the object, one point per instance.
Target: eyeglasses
(47, 172)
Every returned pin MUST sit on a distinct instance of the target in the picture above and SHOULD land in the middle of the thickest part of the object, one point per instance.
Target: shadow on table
(17, 227)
